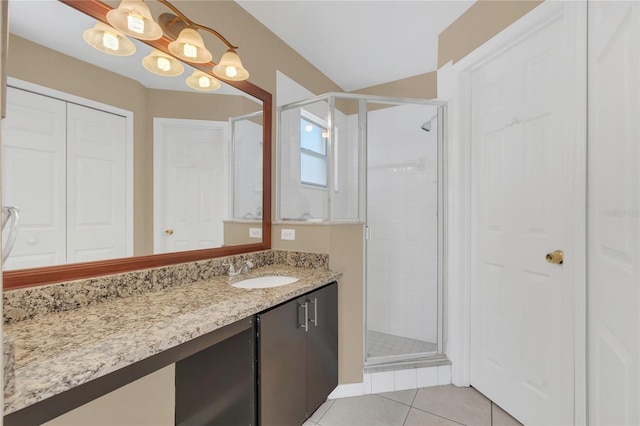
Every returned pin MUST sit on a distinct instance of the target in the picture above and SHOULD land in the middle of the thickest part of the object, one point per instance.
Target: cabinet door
(282, 365)
(322, 346)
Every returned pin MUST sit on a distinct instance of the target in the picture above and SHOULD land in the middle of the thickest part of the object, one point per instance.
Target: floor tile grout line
(437, 415)
(407, 416)
(414, 397)
(399, 402)
(326, 411)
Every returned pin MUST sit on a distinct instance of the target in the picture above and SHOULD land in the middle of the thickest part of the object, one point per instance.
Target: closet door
(614, 214)
(33, 177)
(96, 195)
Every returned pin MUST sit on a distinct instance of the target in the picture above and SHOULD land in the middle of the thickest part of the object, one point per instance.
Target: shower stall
(378, 161)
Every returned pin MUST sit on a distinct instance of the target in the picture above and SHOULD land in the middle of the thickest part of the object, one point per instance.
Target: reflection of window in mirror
(247, 142)
(313, 151)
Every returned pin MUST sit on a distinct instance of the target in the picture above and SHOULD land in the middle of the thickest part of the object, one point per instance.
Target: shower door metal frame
(439, 357)
(330, 97)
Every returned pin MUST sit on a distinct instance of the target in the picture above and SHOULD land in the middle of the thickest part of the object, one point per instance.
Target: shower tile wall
(402, 216)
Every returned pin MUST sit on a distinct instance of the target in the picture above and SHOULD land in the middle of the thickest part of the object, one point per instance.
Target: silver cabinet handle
(315, 311)
(305, 323)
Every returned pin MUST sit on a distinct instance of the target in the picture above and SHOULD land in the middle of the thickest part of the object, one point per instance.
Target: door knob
(168, 231)
(556, 257)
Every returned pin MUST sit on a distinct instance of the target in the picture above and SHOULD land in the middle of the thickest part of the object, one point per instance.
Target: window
(313, 153)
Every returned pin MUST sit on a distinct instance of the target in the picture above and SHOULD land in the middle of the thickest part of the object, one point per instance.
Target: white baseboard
(348, 390)
(390, 381)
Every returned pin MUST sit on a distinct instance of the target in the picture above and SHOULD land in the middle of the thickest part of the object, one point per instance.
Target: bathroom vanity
(187, 314)
(298, 340)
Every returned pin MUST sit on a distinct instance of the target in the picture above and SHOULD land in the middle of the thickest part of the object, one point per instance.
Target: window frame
(322, 124)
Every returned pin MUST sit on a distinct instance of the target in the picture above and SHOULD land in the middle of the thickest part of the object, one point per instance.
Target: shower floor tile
(382, 344)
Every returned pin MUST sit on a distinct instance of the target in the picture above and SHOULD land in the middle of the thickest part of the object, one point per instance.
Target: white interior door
(34, 177)
(96, 196)
(191, 184)
(614, 213)
(522, 307)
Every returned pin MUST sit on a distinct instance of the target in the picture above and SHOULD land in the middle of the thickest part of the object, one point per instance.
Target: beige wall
(149, 401)
(423, 86)
(479, 23)
(344, 245)
(238, 233)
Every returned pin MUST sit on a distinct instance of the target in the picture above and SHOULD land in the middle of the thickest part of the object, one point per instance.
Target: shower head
(426, 126)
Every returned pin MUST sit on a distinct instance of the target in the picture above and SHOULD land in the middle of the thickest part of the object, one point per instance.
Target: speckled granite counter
(59, 350)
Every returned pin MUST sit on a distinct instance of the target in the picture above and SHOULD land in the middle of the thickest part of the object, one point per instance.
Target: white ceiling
(361, 43)
(356, 43)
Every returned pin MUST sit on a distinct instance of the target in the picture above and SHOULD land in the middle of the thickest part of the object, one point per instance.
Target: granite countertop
(55, 352)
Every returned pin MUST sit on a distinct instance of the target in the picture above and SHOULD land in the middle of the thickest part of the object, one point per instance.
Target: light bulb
(110, 41)
(204, 81)
(190, 51)
(135, 23)
(231, 71)
(163, 63)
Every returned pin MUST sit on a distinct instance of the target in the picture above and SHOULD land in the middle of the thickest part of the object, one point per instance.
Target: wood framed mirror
(25, 277)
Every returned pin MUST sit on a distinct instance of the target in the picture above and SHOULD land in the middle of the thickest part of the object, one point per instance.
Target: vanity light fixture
(230, 67)
(202, 81)
(132, 17)
(160, 63)
(190, 47)
(109, 40)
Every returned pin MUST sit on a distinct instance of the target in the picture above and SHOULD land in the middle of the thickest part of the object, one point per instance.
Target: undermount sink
(265, 282)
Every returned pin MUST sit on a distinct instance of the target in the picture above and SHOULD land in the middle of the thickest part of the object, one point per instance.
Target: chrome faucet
(244, 268)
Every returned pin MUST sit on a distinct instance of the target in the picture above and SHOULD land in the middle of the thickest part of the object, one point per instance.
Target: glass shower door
(402, 290)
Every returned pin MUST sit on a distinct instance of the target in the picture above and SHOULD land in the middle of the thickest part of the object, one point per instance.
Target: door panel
(521, 306)
(190, 195)
(96, 196)
(34, 177)
(614, 209)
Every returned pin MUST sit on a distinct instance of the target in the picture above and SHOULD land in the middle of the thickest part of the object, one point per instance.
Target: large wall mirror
(114, 168)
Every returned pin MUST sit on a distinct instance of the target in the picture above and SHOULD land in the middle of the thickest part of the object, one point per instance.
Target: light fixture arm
(195, 25)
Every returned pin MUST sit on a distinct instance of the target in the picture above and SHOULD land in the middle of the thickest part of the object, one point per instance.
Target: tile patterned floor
(435, 406)
(382, 344)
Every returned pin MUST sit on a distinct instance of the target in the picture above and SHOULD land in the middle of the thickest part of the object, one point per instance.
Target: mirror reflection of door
(190, 184)
(64, 166)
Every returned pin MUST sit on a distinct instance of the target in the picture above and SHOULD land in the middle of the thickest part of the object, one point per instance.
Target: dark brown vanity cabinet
(297, 357)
